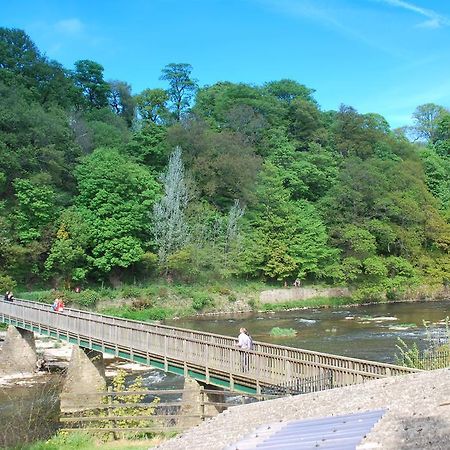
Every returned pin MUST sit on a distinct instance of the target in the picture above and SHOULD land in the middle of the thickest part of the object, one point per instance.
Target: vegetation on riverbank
(83, 441)
(436, 354)
(167, 301)
(204, 184)
(159, 301)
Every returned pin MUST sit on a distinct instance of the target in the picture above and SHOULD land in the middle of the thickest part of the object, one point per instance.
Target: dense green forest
(227, 181)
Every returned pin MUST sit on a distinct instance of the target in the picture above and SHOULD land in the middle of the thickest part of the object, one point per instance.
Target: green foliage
(35, 209)
(87, 298)
(115, 197)
(181, 87)
(276, 188)
(282, 332)
(137, 385)
(64, 440)
(6, 283)
(201, 301)
(152, 105)
(146, 315)
(88, 78)
(435, 356)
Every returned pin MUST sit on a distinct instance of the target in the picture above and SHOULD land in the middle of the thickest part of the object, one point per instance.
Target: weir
(208, 358)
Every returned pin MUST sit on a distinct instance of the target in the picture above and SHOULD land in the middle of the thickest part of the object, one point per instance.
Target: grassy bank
(160, 301)
(82, 441)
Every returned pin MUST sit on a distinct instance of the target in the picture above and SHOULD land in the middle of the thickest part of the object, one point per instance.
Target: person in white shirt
(245, 343)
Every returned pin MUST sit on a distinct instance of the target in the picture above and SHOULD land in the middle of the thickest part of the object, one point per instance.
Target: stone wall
(299, 293)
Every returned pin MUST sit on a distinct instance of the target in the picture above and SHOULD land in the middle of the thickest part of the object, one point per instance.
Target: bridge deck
(211, 358)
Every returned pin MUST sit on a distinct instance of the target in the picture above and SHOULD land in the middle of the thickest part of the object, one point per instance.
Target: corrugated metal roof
(327, 433)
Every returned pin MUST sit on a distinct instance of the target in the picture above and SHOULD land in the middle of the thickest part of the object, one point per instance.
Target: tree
(67, 257)
(288, 90)
(181, 87)
(223, 165)
(426, 121)
(291, 235)
(35, 209)
(88, 78)
(216, 103)
(170, 230)
(121, 100)
(152, 105)
(115, 195)
(149, 146)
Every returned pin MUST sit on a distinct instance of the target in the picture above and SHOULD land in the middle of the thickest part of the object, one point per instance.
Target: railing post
(166, 363)
(202, 404)
(207, 363)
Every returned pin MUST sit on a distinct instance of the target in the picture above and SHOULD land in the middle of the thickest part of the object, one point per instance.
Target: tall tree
(152, 105)
(89, 79)
(288, 90)
(121, 100)
(170, 227)
(182, 87)
(426, 121)
(115, 195)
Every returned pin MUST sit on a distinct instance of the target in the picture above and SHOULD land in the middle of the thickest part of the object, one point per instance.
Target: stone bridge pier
(195, 401)
(85, 377)
(18, 353)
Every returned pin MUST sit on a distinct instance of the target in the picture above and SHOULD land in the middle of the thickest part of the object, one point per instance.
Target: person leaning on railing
(245, 343)
(9, 297)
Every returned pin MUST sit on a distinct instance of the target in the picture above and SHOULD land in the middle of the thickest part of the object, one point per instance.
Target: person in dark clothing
(9, 297)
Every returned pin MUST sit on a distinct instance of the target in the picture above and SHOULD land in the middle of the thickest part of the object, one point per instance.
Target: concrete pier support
(85, 376)
(18, 353)
(194, 402)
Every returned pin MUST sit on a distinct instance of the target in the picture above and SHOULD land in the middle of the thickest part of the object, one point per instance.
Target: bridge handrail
(260, 348)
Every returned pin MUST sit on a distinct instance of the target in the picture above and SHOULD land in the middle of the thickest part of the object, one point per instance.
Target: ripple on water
(306, 321)
(154, 377)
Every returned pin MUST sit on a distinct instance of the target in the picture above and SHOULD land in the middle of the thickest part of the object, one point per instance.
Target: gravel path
(417, 414)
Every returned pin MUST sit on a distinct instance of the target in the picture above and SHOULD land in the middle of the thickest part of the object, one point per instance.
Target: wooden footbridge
(209, 358)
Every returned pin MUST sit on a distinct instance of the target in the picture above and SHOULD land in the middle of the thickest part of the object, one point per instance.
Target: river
(368, 332)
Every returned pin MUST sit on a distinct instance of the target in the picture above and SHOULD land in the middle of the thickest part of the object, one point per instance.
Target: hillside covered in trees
(195, 183)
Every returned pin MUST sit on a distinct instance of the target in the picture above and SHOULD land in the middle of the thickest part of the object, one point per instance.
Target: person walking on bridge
(245, 343)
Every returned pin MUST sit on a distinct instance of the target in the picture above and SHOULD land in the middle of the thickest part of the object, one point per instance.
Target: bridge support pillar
(85, 376)
(18, 353)
(195, 402)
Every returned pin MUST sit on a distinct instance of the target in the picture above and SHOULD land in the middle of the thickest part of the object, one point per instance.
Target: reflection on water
(349, 332)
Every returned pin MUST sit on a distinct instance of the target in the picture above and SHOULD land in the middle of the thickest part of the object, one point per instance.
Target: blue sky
(384, 56)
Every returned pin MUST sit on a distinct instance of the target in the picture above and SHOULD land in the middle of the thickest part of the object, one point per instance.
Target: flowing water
(368, 332)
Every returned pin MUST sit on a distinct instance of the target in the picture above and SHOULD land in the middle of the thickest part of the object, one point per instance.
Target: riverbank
(171, 301)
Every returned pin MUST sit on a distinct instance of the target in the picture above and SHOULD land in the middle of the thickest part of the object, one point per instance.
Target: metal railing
(213, 358)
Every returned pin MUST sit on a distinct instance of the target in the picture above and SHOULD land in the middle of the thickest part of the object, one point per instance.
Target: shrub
(6, 283)
(277, 331)
(200, 301)
(142, 303)
(149, 314)
(131, 292)
(87, 298)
